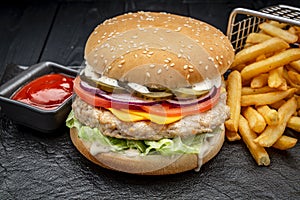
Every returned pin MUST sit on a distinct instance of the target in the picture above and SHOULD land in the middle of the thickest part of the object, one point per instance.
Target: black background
(38, 166)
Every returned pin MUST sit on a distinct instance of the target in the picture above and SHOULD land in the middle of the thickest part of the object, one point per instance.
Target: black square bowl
(46, 121)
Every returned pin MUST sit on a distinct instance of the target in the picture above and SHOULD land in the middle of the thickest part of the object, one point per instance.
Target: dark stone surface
(36, 166)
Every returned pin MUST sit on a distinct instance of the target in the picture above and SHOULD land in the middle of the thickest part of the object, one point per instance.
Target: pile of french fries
(264, 90)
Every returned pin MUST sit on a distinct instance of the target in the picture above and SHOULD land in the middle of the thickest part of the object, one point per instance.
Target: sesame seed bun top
(152, 48)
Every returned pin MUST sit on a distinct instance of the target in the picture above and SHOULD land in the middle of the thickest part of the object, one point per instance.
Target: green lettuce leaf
(178, 145)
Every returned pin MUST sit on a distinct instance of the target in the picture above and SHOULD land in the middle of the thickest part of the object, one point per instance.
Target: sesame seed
(172, 64)
(152, 65)
(120, 66)
(164, 48)
(191, 70)
(210, 58)
(148, 74)
(202, 43)
(169, 59)
(191, 67)
(200, 62)
(159, 71)
(221, 56)
(178, 29)
(179, 55)
(185, 66)
(144, 52)
(166, 61)
(99, 41)
(211, 49)
(188, 76)
(135, 55)
(151, 53)
(206, 67)
(216, 66)
(122, 61)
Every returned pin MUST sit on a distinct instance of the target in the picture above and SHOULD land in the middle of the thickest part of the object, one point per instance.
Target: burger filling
(125, 117)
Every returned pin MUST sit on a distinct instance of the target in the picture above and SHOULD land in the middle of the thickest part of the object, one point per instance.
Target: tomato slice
(167, 110)
(90, 98)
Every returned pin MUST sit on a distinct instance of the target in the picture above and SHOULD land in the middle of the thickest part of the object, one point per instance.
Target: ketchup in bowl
(46, 92)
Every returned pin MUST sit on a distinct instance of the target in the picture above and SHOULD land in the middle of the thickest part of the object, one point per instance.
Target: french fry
(254, 38)
(266, 98)
(259, 81)
(258, 153)
(278, 32)
(277, 24)
(270, 63)
(249, 90)
(272, 133)
(270, 115)
(232, 135)
(261, 57)
(234, 86)
(296, 65)
(277, 104)
(275, 79)
(294, 123)
(255, 120)
(298, 101)
(285, 142)
(251, 53)
(294, 77)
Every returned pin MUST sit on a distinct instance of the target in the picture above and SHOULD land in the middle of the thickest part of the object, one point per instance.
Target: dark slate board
(35, 166)
(23, 33)
(72, 26)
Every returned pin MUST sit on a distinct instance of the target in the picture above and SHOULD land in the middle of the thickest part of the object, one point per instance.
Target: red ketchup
(46, 92)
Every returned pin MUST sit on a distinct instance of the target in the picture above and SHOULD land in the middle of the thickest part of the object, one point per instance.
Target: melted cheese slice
(133, 116)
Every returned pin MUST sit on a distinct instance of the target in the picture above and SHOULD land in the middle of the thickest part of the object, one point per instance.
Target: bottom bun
(150, 164)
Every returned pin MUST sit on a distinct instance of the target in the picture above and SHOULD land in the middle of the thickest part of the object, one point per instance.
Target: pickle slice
(154, 95)
(188, 93)
(109, 88)
(103, 86)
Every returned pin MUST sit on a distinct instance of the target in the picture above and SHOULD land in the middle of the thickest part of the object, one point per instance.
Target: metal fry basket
(243, 21)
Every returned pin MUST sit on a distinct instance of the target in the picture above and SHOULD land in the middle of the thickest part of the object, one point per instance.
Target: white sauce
(206, 147)
(208, 84)
(138, 87)
(96, 148)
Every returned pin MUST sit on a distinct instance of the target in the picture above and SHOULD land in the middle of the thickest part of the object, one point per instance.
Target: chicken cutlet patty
(111, 126)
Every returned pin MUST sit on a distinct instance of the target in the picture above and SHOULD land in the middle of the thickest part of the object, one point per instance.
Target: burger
(150, 99)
